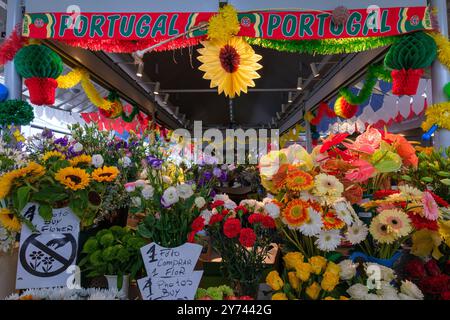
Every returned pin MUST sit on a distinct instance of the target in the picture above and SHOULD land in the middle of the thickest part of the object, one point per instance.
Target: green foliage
(38, 61)
(16, 112)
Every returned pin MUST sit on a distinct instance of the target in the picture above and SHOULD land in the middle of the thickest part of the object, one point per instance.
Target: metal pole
(440, 75)
(12, 79)
(308, 137)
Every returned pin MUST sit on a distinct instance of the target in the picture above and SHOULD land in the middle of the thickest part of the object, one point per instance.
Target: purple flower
(154, 162)
(47, 133)
(207, 175)
(217, 172)
(63, 142)
(212, 193)
(223, 177)
(71, 153)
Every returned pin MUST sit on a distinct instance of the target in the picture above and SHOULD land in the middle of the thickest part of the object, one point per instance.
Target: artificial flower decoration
(230, 65)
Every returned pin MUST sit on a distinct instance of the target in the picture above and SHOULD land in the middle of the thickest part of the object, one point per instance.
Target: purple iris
(63, 142)
(47, 133)
(154, 162)
(217, 172)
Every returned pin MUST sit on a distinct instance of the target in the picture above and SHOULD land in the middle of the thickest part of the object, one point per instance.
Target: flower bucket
(406, 82)
(8, 267)
(384, 262)
(112, 284)
(42, 90)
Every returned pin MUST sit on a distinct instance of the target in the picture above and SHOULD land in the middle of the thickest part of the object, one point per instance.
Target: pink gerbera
(430, 207)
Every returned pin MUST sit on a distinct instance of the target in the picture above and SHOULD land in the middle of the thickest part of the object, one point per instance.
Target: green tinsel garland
(132, 114)
(16, 112)
(326, 46)
(374, 72)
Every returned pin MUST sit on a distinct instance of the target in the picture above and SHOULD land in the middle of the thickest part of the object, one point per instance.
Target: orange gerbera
(331, 221)
(279, 178)
(296, 213)
(299, 180)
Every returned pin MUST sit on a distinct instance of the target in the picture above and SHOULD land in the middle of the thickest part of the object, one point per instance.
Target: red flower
(191, 236)
(215, 218)
(381, 194)
(268, 222)
(255, 218)
(224, 212)
(217, 203)
(232, 227)
(245, 298)
(441, 202)
(415, 269)
(420, 222)
(445, 295)
(247, 237)
(332, 141)
(198, 224)
(432, 268)
(241, 208)
(435, 285)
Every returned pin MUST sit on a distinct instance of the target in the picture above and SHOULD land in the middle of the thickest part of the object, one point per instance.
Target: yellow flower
(279, 296)
(274, 281)
(303, 270)
(333, 268)
(329, 298)
(444, 231)
(291, 259)
(83, 159)
(426, 242)
(18, 136)
(9, 221)
(313, 291)
(30, 173)
(344, 298)
(293, 280)
(55, 155)
(5, 185)
(107, 174)
(329, 281)
(318, 263)
(73, 178)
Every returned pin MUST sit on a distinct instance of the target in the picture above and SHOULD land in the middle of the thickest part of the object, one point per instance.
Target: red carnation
(245, 298)
(191, 236)
(247, 237)
(432, 268)
(415, 269)
(435, 285)
(198, 224)
(268, 222)
(224, 212)
(215, 218)
(217, 203)
(241, 208)
(420, 222)
(381, 194)
(232, 227)
(445, 295)
(255, 218)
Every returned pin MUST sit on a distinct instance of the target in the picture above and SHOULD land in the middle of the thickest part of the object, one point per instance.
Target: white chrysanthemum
(328, 185)
(222, 197)
(328, 240)
(206, 214)
(409, 191)
(184, 191)
(357, 232)
(386, 274)
(199, 202)
(313, 225)
(147, 192)
(97, 160)
(272, 210)
(230, 205)
(77, 147)
(344, 210)
(348, 269)
(358, 291)
(170, 196)
(387, 292)
(136, 202)
(411, 290)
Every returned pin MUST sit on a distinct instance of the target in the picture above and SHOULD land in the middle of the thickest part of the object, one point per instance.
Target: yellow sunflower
(83, 159)
(9, 221)
(295, 214)
(230, 65)
(30, 173)
(299, 181)
(73, 178)
(5, 185)
(107, 174)
(56, 155)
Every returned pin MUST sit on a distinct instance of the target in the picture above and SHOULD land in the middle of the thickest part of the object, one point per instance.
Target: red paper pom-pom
(42, 90)
(344, 109)
(406, 82)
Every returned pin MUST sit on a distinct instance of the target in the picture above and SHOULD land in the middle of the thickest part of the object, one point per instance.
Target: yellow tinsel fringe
(93, 94)
(224, 25)
(438, 114)
(71, 79)
(443, 48)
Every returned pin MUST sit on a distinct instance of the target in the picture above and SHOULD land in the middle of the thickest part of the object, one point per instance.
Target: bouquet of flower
(218, 293)
(306, 279)
(67, 294)
(242, 236)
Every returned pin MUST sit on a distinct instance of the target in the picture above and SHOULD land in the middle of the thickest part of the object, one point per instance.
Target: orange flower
(299, 180)
(330, 221)
(296, 213)
(404, 149)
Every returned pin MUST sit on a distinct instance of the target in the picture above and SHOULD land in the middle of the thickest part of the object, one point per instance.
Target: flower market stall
(225, 150)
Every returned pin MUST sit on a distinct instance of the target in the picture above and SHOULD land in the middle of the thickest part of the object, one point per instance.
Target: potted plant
(113, 253)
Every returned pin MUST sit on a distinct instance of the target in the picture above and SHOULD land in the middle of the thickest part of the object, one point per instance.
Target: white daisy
(184, 191)
(410, 290)
(358, 291)
(328, 240)
(344, 210)
(409, 191)
(357, 232)
(348, 269)
(313, 225)
(328, 185)
(272, 210)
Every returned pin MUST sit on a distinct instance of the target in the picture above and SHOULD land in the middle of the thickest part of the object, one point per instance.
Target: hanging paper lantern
(3, 92)
(340, 15)
(407, 59)
(344, 109)
(40, 66)
(116, 106)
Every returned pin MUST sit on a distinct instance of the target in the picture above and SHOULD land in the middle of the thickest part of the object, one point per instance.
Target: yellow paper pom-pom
(443, 48)
(224, 25)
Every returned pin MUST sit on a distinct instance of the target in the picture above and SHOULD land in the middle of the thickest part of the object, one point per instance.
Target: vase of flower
(113, 283)
(357, 255)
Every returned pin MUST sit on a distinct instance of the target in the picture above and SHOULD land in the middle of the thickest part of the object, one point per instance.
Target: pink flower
(366, 142)
(364, 170)
(430, 207)
(130, 186)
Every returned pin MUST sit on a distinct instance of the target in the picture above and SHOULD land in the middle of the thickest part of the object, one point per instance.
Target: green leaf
(45, 211)
(406, 177)
(446, 182)
(443, 174)
(50, 193)
(23, 195)
(427, 179)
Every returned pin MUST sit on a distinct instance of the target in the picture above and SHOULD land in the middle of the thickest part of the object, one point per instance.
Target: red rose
(247, 237)
(217, 203)
(268, 222)
(255, 218)
(432, 268)
(198, 224)
(215, 218)
(435, 285)
(191, 236)
(415, 269)
(445, 295)
(241, 208)
(232, 227)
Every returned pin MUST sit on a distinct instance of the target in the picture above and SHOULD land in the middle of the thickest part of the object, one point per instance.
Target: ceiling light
(290, 97)
(156, 88)
(314, 70)
(299, 83)
(140, 70)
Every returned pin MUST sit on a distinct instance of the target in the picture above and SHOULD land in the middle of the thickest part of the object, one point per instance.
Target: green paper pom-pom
(38, 61)
(16, 112)
(447, 90)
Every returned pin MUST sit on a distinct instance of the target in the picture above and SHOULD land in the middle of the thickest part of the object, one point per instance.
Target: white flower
(140, 183)
(357, 232)
(230, 205)
(136, 202)
(328, 185)
(97, 160)
(77, 147)
(147, 192)
(259, 206)
(410, 192)
(371, 296)
(387, 292)
(410, 290)
(222, 197)
(272, 210)
(184, 191)
(199, 202)
(125, 161)
(267, 200)
(306, 196)
(358, 291)
(313, 226)
(328, 240)
(170, 196)
(248, 202)
(206, 214)
(348, 269)
(344, 210)
(166, 180)
(387, 274)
